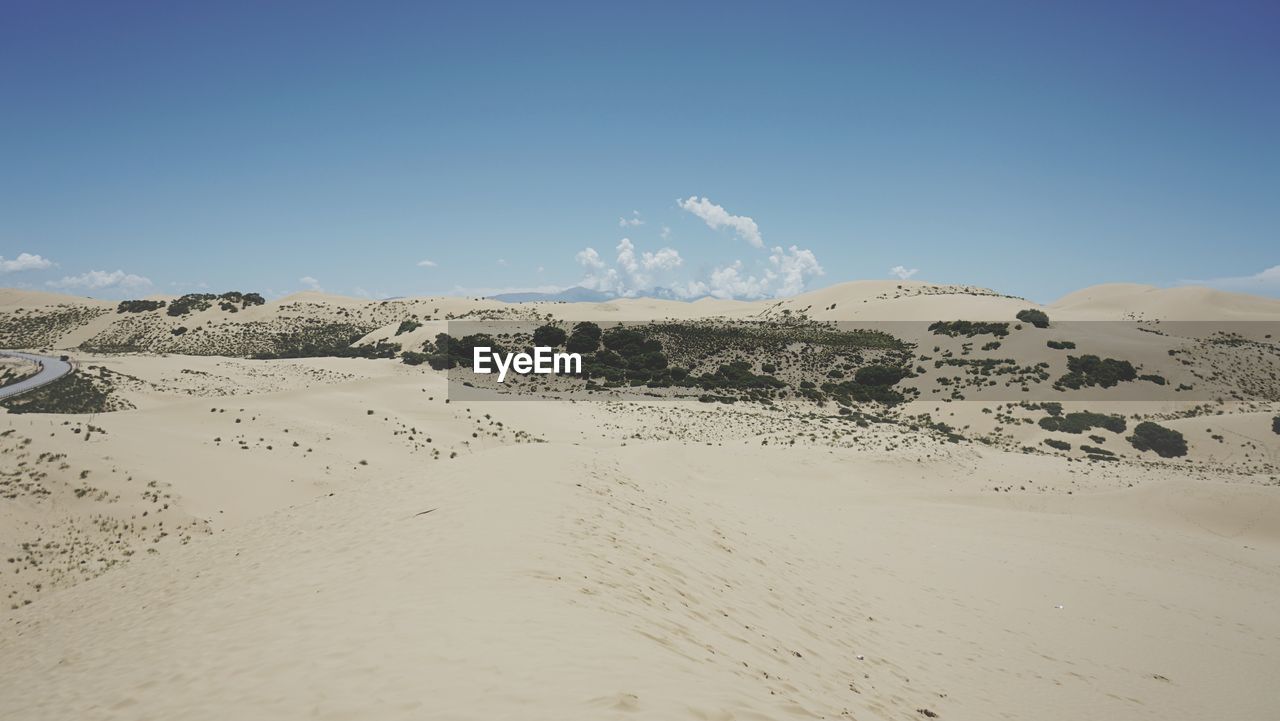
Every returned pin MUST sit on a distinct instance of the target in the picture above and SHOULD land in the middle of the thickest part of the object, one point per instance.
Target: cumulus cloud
(24, 261)
(310, 283)
(101, 280)
(785, 270)
(903, 272)
(632, 222)
(427, 263)
(631, 273)
(717, 217)
(1267, 280)
(787, 273)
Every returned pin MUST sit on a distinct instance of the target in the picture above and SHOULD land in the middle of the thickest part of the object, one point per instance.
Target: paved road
(51, 369)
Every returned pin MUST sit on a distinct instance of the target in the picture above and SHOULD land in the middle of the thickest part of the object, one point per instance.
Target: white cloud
(784, 271)
(101, 280)
(427, 263)
(632, 274)
(633, 221)
(1263, 281)
(903, 272)
(502, 262)
(717, 217)
(24, 261)
(310, 283)
(788, 272)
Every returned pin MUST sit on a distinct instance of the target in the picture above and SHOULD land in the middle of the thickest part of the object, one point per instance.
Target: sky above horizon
(739, 149)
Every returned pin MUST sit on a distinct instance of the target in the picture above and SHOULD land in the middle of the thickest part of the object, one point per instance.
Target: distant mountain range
(578, 294)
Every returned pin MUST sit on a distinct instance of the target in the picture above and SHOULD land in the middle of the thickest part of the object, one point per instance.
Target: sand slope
(660, 582)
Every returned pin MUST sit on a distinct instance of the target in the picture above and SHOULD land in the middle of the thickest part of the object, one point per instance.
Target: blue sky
(1031, 147)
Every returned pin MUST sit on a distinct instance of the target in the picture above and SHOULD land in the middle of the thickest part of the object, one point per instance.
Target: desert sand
(337, 538)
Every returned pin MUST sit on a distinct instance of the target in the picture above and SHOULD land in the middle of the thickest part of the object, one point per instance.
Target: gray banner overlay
(866, 362)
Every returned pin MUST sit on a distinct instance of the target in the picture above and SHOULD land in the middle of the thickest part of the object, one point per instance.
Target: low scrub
(1037, 318)
(968, 328)
(1090, 370)
(1083, 421)
(139, 306)
(1166, 442)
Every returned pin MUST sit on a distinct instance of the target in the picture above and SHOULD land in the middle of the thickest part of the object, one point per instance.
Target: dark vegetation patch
(407, 326)
(231, 301)
(79, 392)
(1037, 318)
(1082, 422)
(1166, 442)
(815, 361)
(328, 340)
(1090, 370)
(42, 328)
(1055, 443)
(968, 328)
(1061, 344)
(139, 306)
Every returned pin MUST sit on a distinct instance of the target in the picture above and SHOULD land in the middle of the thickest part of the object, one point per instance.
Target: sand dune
(335, 537)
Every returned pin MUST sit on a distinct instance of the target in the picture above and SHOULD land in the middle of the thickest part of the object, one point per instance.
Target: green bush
(968, 328)
(408, 326)
(413, 358)
(1090, 370)
(1166, 442)
(1055, 443)
(191, 302)
(1061, 345)
(1083, 421)
(880, 375)
(549, 336)
(1037, 318)
(1275, 424)
(585, 338)
(139, 306)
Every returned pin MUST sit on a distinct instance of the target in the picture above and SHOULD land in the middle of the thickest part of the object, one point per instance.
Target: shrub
(413, 358)
(1083, 421)
(549, 336)
(585, 338)
(1061, 345)
(879, 375)
(1055, 443)
(191, 302)
(1166, 442)
(179, 330)
(1090, 370)
(968, 328)
(1275, 424)
(1037, 318)
(408, 326)
(139, 306)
